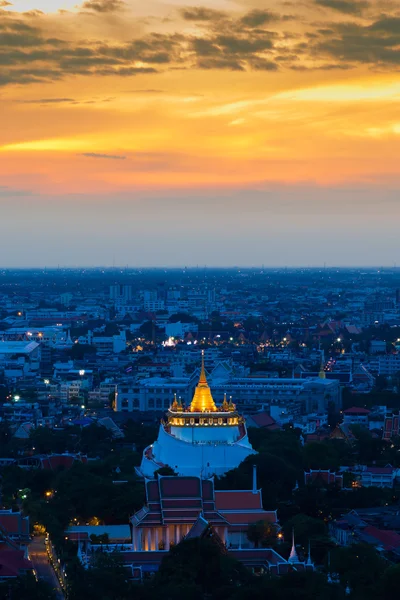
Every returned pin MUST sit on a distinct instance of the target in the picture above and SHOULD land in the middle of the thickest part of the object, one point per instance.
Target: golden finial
(202, 399)
(225, 404)
(203, 378)
(231, 406)
(175, 406)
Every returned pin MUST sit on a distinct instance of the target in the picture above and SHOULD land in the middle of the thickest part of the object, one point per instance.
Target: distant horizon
(124, 268)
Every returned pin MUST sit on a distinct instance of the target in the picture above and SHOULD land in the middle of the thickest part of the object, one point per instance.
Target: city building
(356, 415)
(252, 394)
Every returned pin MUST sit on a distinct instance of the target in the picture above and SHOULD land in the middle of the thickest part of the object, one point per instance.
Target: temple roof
(202, 399)
(173, 499)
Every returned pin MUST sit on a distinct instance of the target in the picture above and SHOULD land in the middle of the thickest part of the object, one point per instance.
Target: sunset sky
(177, 133)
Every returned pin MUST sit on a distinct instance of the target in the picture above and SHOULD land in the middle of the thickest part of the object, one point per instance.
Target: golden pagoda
(225, 404)
(175, 405)
(202, 399)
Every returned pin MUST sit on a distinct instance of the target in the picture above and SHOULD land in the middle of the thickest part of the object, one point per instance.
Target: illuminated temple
(202, 440)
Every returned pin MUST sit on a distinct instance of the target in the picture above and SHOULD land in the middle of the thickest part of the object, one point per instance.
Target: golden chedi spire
(225, 404)
(175, 405)
(202, 399)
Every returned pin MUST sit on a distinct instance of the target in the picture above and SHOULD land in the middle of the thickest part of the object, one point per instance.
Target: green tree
(203, 564)
(78, 351)
(391, 583)
(262, 533)
(26, 587)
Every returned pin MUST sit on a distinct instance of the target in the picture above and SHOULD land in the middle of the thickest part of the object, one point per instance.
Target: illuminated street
(43, 568)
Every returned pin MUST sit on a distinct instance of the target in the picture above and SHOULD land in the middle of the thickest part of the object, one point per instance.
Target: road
(42, 566)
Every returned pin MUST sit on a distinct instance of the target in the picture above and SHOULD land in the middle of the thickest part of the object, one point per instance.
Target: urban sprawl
(199, 432)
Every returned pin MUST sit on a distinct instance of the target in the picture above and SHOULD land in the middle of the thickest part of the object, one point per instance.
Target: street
(42, 566)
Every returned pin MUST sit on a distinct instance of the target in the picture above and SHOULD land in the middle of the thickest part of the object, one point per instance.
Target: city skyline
(215, 132)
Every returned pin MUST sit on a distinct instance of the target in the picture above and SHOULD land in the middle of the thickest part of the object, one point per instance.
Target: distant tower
(115, 291)
(321, 373)
(293, 558)
(309, 563)
(127, 293)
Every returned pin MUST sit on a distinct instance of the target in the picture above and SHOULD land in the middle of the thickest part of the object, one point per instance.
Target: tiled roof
(379, 470)
(175, 499)
(263, 419)
(356, 410)
(179, 487)
(237, 500)
(244, 518)
(55, 461)
(13, 563)
(389, 539)
(198, 528)
(14, 523)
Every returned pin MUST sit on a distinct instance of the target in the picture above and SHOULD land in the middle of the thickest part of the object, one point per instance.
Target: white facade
(204, 458)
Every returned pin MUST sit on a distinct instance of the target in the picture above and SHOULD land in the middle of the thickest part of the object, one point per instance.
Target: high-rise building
(115, 291)
(118, 292)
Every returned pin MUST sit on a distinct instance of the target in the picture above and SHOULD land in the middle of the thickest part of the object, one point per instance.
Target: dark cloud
(103, 6)
(148, 91)
(261, 64)
(18, 40)
(256, 18)
(348, 7)
(387, 25)
(204, 47)
(199, 13)
(26, 76)
(49, 101)
(375, 44)
(108, 156)
(234, 44)
(220, 63)
(27, 55)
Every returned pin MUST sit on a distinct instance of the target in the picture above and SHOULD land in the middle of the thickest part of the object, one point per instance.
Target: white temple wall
(198, 434)
(202, 460)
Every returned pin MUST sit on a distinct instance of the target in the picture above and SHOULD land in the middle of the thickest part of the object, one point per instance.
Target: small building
(51, 462)
(14, 526)
(354, 529)
(356, 415)
(323, 478)
(392, 426)
(378, 476)
(262, 420)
